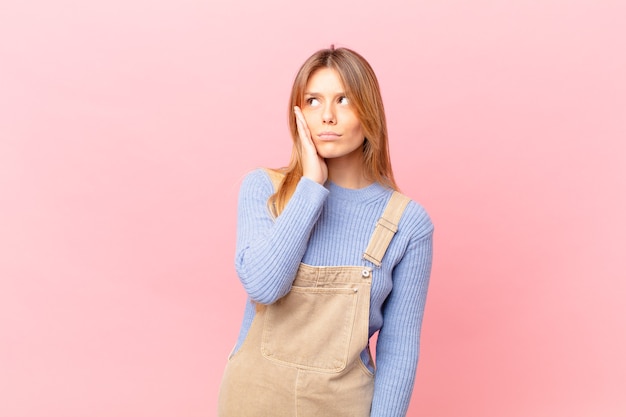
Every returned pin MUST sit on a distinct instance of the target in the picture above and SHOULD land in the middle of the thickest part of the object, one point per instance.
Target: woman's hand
(313, 166)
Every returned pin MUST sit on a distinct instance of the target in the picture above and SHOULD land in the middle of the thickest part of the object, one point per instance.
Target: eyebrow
(312, 93)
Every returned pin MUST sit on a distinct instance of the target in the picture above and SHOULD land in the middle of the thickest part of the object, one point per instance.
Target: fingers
(313, 165)
(306, 142)
(303, 129)
(299, 115)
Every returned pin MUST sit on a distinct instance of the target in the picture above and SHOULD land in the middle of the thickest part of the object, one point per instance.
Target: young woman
(329, 254)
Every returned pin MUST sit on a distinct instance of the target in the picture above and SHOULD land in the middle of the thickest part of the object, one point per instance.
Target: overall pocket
(311, 328)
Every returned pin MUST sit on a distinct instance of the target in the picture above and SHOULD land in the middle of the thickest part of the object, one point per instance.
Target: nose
(328, 116)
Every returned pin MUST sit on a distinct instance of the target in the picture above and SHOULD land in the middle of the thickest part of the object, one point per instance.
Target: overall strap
(386, 228)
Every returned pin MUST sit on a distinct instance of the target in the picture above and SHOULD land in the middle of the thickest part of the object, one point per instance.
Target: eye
(343, 100)
(312, 101)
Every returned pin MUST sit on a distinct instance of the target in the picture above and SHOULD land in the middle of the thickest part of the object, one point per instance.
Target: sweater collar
(371, 192)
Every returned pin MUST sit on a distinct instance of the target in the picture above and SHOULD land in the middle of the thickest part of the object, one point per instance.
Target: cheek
(357, 128)
(353, 122)
(308, 117)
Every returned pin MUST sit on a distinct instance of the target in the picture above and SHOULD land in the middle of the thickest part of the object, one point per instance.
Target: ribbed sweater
(331, 226)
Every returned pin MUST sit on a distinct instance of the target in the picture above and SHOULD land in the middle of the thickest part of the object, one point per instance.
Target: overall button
(365, 273)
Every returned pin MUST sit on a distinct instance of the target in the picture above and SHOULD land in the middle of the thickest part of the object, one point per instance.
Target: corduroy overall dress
(301, 356)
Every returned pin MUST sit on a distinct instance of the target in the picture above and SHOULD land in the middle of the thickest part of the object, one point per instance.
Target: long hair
(363, 91)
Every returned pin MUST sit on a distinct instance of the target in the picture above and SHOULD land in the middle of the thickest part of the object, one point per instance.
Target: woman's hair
(363, 92)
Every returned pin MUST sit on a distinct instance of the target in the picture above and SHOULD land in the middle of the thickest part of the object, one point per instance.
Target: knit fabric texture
(331, 226)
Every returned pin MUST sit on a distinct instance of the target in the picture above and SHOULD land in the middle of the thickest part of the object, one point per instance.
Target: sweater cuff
(311, 191)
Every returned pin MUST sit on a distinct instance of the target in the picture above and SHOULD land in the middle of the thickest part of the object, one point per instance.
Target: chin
(330, 155)
(339, 153)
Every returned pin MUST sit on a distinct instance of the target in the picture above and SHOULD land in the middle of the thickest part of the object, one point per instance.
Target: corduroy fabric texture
(301, 356)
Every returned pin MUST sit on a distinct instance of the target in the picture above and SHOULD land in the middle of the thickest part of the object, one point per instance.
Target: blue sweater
(330, 225)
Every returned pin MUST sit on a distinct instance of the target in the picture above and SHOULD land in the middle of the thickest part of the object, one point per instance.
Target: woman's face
(335, 128)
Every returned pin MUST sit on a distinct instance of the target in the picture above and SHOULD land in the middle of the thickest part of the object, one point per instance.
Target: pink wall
(125, 127)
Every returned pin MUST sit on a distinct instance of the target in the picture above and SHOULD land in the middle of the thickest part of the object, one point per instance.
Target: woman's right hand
(313, 166)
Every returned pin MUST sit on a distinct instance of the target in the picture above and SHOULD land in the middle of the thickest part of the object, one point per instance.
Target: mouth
(328, 136)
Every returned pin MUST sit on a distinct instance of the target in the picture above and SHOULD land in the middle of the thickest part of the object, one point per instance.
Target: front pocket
(311, 328)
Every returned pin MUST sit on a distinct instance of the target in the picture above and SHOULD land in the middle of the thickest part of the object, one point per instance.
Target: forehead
(324, 80)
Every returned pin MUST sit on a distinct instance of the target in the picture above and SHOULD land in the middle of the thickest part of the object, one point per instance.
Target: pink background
(126, 127)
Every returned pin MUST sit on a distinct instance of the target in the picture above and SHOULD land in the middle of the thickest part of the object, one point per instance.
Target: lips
(328, 135)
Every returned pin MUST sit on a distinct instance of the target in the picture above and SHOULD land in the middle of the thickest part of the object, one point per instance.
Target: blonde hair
(363, 91)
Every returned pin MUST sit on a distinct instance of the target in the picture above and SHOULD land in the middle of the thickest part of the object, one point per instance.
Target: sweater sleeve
(268, 252)
(397, 348)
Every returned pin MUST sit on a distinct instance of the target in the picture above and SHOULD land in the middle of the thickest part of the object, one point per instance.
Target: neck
(347, 171)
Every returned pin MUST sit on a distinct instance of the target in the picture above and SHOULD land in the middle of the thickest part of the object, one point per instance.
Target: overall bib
(301, 356)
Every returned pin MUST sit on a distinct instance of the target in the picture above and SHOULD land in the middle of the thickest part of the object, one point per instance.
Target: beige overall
(301, 356)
